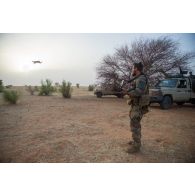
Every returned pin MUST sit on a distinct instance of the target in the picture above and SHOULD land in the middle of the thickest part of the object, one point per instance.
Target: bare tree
(160, 56)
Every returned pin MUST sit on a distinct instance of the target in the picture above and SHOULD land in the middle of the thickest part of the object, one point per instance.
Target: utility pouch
(144, 100)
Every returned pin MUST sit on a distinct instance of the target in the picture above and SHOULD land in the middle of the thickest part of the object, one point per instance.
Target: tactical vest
(144, 100)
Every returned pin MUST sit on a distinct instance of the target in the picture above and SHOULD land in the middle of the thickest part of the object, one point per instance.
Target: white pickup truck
(176, 89)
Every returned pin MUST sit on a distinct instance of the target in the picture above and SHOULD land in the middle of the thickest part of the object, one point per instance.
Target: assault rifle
(125, 82)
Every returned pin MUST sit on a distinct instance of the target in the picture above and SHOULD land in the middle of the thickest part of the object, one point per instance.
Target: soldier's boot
(136, 138)
(135, 147)
(136, 143)
(131, 142)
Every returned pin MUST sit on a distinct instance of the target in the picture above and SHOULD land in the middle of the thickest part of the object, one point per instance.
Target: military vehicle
(118, 88)
(100, 91)
(177, 89)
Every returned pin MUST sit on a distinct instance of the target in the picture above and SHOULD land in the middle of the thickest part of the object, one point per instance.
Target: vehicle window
(182, 84)
(168, 83)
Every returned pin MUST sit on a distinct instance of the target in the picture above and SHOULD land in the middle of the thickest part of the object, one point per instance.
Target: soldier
(139, 106)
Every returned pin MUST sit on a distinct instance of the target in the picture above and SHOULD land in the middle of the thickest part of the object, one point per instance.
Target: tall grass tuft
(30, 89)
(46, 87)
(77, 85)
(1, 86)
(91, 87)
(11, 96)
(66, 89)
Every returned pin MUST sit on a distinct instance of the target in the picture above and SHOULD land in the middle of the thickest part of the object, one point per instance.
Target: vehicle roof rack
(175, 76)
(182, 74)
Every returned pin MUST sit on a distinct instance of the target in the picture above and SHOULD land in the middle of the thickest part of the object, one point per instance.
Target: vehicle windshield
(167, 83)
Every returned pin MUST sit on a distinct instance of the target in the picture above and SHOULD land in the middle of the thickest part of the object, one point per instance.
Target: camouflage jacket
(140, 88)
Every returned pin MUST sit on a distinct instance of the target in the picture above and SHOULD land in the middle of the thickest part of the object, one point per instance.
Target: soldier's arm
(140, 88)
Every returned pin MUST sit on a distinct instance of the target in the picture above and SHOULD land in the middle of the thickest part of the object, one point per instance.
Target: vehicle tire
(99, 95)
(166, 102)
(192, 101)
(180, 103)
(193, 85)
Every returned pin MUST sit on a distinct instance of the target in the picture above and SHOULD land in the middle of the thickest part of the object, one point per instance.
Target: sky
(70, 57)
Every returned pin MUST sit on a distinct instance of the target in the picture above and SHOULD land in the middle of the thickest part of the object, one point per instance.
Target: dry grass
(88, 129)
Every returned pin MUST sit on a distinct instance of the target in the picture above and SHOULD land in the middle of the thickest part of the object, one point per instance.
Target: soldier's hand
(129, 102)
(129, 95)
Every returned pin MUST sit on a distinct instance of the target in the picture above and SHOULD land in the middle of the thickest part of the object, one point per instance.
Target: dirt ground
(87, 129)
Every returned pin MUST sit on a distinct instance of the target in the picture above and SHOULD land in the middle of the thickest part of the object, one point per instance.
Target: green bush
(46, 87)
(11, 96)
(55, 89)
(91, 87)
(66, 89)
(1, 86)
(77, 85)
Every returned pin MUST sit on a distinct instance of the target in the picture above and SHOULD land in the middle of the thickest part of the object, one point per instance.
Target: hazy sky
(73, 57)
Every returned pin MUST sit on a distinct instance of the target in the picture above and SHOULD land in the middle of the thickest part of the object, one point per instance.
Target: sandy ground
(88, 129)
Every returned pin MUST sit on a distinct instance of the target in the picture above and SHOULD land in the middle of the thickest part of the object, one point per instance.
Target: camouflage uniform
(137, 111)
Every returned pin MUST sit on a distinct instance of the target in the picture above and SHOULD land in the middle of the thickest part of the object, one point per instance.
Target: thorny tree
(160, 56)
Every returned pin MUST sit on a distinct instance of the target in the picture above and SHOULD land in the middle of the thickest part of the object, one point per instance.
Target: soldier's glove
(129, 102)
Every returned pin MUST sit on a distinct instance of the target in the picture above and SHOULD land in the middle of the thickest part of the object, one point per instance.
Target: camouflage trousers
(135, 115)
